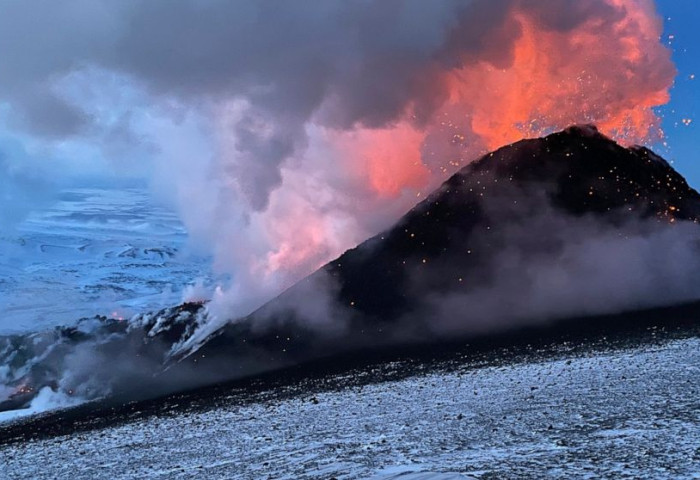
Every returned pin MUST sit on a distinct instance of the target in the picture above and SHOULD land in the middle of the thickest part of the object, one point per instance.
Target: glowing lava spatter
(534, 73)
(610, 69)
(612, 73)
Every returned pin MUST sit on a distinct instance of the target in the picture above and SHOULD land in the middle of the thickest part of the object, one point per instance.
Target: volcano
(556, 233)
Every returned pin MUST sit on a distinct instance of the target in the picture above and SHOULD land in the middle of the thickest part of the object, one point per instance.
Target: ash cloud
(272, 126)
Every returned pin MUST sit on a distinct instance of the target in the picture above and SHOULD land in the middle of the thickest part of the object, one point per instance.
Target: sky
(283, 133)
(681, 19)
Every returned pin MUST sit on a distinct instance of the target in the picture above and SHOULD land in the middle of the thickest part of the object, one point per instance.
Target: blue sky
(682, 21)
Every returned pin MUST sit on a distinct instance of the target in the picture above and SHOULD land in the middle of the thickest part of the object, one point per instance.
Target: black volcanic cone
(466, 261)
(448, 243)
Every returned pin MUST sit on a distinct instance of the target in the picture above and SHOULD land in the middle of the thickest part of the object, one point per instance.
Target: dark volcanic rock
(510, 200)
(518, 238)
(577, 171)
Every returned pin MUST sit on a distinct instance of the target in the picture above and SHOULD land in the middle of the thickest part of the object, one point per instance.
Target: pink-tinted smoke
(537, 69)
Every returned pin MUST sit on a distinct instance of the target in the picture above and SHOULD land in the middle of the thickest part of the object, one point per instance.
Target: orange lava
(611, 70)
(608, 73)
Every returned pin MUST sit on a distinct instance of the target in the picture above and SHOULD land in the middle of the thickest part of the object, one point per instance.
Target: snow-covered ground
(631, 413)
(94, 251)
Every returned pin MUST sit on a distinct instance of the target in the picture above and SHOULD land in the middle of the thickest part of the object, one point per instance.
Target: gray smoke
(285, 133)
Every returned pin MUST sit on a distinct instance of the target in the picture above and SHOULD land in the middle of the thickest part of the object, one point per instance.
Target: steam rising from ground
(552, 267)
(285, 133)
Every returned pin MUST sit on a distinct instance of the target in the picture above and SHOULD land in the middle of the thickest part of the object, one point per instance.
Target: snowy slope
(628, 413)
(94, 251)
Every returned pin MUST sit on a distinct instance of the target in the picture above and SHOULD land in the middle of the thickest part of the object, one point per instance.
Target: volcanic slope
(570, 227)
(480, 235)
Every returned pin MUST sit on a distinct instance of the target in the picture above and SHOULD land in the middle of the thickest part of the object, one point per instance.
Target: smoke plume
(286, 132)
